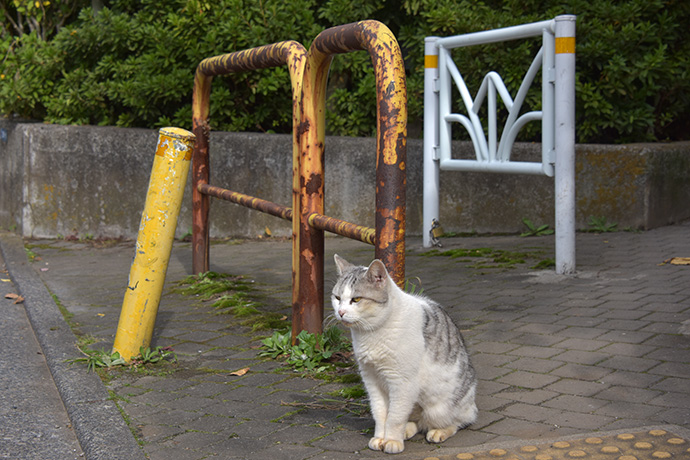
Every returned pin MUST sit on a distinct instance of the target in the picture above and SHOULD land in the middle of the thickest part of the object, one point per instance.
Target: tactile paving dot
(644, 445)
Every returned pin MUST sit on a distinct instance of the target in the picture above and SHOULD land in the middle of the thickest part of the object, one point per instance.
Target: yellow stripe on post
(430, 61)
(154, 242)
(565, 45)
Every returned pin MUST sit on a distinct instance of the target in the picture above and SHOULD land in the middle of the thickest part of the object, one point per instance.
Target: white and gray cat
(411, 356)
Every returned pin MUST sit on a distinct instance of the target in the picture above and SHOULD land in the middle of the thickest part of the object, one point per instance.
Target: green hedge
(133, 62)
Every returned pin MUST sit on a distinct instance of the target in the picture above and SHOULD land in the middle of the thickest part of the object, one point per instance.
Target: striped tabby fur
(411, 356)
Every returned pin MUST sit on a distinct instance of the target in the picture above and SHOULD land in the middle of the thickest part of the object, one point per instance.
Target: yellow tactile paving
(644, 445)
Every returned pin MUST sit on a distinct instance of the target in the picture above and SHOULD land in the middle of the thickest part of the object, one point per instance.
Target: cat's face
(360, 295)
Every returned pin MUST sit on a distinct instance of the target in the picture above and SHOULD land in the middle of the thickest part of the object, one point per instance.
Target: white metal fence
(556, 60)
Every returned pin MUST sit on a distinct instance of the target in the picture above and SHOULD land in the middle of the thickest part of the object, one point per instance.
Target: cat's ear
(377, 273)
(341, 264)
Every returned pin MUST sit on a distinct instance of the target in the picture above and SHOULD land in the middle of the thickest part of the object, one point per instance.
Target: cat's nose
(341, 312)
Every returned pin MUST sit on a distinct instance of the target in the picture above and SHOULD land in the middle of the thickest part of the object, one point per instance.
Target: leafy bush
(132, 63)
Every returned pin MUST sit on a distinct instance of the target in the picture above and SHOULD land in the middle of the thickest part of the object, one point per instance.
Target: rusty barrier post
(308, 74)
(288, 53)
(154, 242)
(391, 148)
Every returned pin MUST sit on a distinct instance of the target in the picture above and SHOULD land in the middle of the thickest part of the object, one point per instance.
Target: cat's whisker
(330, 320)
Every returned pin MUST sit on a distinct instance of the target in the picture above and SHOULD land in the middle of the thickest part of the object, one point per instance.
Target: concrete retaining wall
(92, 181)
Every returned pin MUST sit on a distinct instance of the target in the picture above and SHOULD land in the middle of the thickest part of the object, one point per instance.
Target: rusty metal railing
(288, 53)
(308, 73)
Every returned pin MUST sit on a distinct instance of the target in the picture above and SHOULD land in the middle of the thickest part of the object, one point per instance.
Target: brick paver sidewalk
(556, 356)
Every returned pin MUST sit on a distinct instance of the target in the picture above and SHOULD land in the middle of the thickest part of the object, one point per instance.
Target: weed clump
(231, 294)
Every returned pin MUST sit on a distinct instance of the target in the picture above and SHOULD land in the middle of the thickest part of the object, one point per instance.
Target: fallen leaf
(5, 280)
(267, 231)
(241, 372)
(17, 298)
(680, 261)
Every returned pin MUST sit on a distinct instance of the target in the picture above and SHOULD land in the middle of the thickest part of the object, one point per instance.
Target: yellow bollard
(154, 242)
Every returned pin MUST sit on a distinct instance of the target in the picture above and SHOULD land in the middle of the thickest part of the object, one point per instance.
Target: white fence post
(565, 144)
(431, 126)
(557, 61)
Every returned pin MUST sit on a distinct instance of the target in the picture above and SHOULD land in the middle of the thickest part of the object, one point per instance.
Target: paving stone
(301, 434)
(490, 359)
(170, 417)
(541, 366)
(581, 357)
(527, 396)
(672, 384)
(538, 340)
(572, 403)
(192, 403)
(629, 363)
(288, 452)
(343, 441)
(491, 372)
(582, 344)
(519, 428)
(228, 341)
(489, 387)
(535, 352)
(493, 347)
(490, 402)
(581, 372)
(667, 340)
(583, 322)
(540, 328)
(623, 325)
(659, 305)
(205, 389)
(580, 421)
(628, 394)
(624, 295)
(239, 447)
(252, 429)
(468, 437)
(667, 399)
(628, 349)
(161, 383)
(530, 412)
(156, 398)
(484, 419)
(670, 354)
(631, 315)
(528, 379)
(157, 433)
(497, 336)
(194, 440)
(678, 416)
(175, 453)
(578, 332)
(585, 311)
(630, 410)
(198, 336)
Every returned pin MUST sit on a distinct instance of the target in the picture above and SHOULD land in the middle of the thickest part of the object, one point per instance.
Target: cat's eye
(337, 297)
(356, 299)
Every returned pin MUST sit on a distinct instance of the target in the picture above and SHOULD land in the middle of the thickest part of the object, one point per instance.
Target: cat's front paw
(376, 443)
(389, 446)
(392, 446)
